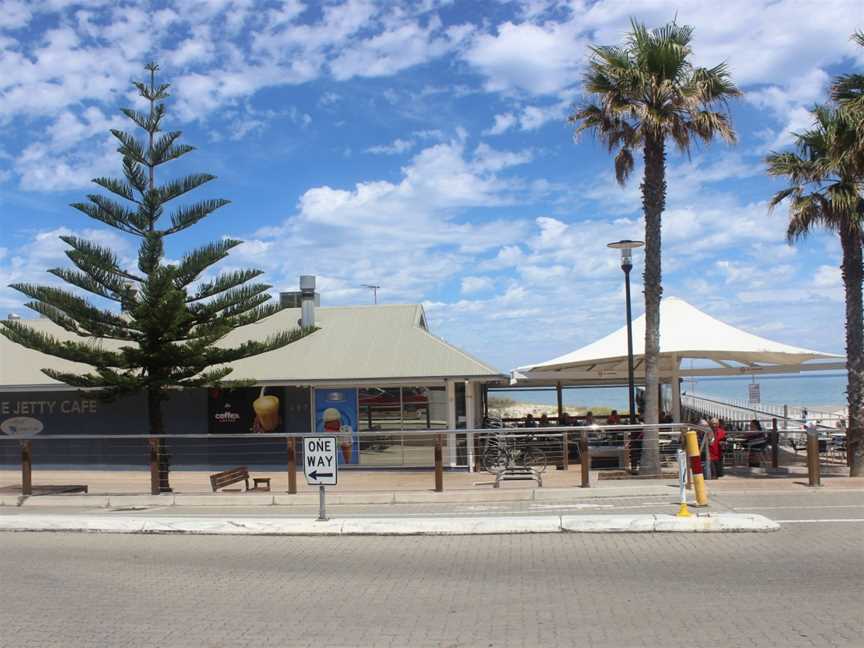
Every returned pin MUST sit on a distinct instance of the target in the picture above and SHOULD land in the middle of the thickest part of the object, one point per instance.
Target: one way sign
(319, 460)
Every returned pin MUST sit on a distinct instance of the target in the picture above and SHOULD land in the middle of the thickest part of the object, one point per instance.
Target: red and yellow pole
(696, 467)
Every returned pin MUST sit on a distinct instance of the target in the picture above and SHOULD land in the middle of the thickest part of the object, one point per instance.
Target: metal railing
(540, 451)
(739, 411)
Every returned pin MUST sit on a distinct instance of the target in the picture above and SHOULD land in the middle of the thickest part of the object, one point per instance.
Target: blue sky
(423, 146)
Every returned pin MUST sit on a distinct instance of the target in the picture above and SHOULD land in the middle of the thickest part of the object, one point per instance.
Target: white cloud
(536, 58)
(503, 123)
(473, 285)
(779, 52)
(330, 99)
(396, 147)
(530, 117)
(404, 235)
(59, 162)
(14, 14)
(402, 46)
(533, 117)
(488, 159)
(198, 47)
(827, 277)
(790, 104)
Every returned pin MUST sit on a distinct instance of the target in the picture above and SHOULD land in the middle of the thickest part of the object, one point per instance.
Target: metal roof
(354, 344)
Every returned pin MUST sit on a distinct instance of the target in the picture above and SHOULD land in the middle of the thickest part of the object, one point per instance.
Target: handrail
(739, 405)
(373, 433)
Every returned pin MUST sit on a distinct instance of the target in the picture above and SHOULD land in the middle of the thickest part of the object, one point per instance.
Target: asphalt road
(801, 586)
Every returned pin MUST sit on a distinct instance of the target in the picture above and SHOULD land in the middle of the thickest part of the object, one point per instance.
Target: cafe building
(367, 375)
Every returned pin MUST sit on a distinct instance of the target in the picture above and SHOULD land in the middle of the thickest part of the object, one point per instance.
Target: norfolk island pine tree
(643, 94)
(171, 320)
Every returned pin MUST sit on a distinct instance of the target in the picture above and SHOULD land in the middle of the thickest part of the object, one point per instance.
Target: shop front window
(386, 412)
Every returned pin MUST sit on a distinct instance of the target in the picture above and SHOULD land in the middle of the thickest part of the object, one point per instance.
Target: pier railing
(739, 413)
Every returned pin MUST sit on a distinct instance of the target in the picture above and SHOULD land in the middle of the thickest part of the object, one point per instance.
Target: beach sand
(521, 410)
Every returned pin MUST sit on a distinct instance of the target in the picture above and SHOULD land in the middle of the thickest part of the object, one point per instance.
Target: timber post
(585, 459)
(26, 468)
(154, 466)
(814, 478)
(775, 444)
(292, 465)
(439, 464)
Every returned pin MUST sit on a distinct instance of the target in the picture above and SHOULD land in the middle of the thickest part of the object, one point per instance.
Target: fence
(505, 453)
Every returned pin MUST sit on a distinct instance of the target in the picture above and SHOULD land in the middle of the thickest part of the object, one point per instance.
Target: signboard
(753, 392)
(21, 427)
(244, 410)
(319, 460)
(336, 414)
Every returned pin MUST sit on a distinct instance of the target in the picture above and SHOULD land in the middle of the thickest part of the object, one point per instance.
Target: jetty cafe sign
(26, 417)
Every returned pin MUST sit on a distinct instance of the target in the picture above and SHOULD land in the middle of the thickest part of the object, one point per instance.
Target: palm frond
(623, 165)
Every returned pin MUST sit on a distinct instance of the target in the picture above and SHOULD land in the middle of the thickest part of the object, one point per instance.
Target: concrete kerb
(333, 497)
(663, 523)
(486, 525)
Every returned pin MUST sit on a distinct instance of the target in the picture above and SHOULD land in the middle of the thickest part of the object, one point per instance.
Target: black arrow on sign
(315, 474)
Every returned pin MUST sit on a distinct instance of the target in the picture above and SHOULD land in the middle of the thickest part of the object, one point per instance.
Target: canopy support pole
(470, 420)
(560, 398)
(676, 390)
(451, 422)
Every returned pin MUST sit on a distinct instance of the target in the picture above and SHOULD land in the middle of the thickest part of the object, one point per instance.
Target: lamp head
(626, 246)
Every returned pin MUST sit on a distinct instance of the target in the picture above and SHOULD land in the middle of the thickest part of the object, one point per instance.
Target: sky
(424, 147)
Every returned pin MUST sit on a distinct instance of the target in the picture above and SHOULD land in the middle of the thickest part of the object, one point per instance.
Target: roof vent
(307, 300)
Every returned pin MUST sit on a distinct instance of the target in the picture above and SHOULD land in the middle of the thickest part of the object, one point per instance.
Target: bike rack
(520, 473)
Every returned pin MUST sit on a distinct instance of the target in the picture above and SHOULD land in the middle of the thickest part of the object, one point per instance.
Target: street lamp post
(627, 247)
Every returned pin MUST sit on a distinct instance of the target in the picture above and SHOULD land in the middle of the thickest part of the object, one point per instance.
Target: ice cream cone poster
(336, 415)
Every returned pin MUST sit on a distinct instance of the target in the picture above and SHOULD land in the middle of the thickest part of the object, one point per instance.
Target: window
(391, 410)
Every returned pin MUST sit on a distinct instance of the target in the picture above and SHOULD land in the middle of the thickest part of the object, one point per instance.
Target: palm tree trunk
(154, 415)
(653, 203)
(853, 275)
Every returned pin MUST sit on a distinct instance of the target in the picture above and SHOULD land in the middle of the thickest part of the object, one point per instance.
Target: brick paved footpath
(350, 481)
(801, 586)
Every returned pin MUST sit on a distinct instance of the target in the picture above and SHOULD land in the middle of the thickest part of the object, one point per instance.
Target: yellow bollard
(696, 468)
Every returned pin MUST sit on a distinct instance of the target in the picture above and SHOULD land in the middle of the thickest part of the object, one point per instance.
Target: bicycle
(500, 455)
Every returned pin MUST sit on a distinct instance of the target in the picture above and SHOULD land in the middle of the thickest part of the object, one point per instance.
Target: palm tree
(644, 93)
(824, 191)
(848, 89)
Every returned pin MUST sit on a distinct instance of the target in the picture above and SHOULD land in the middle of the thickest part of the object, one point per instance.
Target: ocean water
(822, 391)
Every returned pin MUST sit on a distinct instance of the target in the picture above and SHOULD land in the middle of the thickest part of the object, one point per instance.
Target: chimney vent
(307, 300)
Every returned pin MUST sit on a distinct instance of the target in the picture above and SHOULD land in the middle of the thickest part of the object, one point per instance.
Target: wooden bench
(235, 475)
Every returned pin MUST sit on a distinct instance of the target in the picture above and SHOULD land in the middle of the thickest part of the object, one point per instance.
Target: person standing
(715, 448)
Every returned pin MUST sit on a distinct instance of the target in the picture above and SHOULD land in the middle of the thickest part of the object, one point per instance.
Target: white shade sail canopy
(685, 333)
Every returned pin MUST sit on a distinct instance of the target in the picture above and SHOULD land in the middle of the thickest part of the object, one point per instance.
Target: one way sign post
(320, 466)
